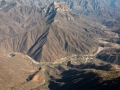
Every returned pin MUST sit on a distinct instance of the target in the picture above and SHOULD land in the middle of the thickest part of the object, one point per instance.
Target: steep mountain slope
(74, 79)
(100, 8)
(91, 75)
(15, 19)
(111, 55)
(63, 42)
(52, 32)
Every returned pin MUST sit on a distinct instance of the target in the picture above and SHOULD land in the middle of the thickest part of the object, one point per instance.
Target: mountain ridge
(50, 47)
(38, 40)
(94, 8)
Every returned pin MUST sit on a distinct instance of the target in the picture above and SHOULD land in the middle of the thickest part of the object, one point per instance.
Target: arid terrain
(59, 45)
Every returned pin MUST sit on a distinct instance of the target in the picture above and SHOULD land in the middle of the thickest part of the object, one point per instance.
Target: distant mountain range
(98, 8)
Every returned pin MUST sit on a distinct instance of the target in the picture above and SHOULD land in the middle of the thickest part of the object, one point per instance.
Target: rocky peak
(53, 10)
(61, 6)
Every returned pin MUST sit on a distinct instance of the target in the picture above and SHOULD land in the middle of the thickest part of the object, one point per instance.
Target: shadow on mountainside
(84, 80)
(101, 66)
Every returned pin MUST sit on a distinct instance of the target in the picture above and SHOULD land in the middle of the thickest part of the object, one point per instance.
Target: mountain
(95, 8)
(20, 72)
(62, 44)
(48, 34)
(74, 79)
(111, 55)
(102, 11)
